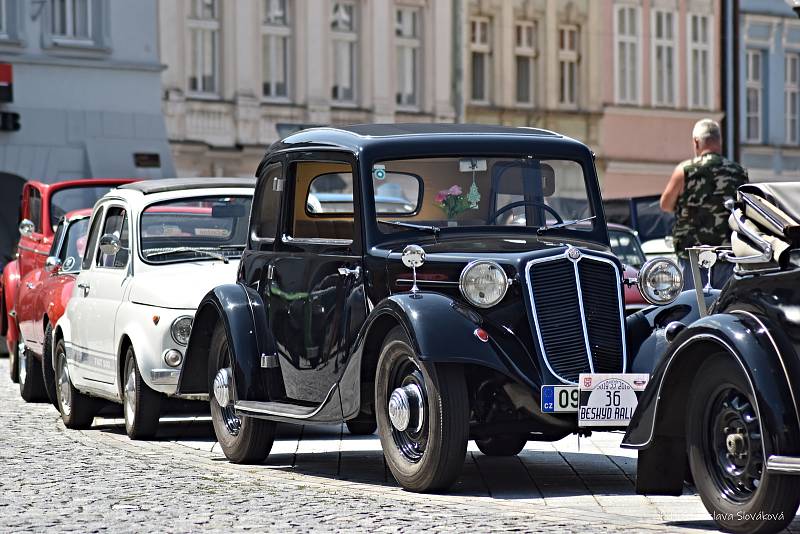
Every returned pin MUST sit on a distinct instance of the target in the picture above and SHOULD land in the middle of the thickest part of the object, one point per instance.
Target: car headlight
(181, 329)
(660, 281)
(483, 283)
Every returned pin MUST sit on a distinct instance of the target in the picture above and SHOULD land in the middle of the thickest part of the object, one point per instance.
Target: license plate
(559, 399)
(609, 399)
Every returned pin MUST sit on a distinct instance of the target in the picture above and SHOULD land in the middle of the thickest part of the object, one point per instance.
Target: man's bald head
(707, 136)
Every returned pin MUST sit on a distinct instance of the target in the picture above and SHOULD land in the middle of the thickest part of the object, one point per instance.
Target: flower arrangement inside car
(452, 201)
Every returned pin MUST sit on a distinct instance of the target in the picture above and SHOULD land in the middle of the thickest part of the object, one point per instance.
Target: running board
(282, 409)
(787, 465)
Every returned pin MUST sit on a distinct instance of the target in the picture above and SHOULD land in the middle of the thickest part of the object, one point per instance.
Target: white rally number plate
(560, 399)
(609, 399)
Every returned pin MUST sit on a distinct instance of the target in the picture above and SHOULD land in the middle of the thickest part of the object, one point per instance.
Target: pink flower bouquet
(452, 201)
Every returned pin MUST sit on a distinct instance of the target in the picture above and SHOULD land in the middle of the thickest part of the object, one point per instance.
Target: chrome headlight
(181, 329)
(483, 283)
(660, 281)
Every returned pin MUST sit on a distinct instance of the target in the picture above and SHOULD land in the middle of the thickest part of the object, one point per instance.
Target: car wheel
(362, 425)
(141, 405)
(13, 361)
(244, 440)
(502, 445)
(726, 444)
(48, 372)
(77, 410)
(422, 415)
(31, 387)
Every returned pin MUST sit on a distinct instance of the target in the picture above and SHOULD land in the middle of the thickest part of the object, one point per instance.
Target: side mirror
(26, 228)
(52, 264)
(110, 244)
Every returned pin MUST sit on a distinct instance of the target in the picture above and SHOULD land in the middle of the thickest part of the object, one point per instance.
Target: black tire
(48, 370)
(362, 425)
(429, 456)
(502, 445)
(141, 405)
(31, 387)
(13, 363)
(77, 410)
(244, 440)
(721, 415)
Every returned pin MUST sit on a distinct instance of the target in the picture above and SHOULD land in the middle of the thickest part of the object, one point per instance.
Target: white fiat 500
(154, 249)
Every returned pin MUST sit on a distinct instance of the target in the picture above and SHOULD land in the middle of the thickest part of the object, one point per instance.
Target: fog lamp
(173, 358)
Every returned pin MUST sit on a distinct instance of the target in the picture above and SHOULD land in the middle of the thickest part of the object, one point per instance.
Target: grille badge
(573, 253)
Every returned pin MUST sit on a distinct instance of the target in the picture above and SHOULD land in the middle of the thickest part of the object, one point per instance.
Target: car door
(101, 290)
(316, 278)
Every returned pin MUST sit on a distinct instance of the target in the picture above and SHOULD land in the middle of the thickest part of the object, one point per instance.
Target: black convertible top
(179, 184)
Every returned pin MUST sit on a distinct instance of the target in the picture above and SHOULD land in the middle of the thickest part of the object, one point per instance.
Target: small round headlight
(173, 358)
(660, 281)
(483, 283)
(181, 329)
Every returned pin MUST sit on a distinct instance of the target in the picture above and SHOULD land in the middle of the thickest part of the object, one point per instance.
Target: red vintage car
(42, 207)
(42, 298)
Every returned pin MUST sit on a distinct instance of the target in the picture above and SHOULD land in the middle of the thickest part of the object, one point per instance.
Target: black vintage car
(724, 396)
(446, 317)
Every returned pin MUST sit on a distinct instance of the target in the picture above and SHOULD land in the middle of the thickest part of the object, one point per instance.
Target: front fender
(244, 318)
(657, 428)
(10, 288)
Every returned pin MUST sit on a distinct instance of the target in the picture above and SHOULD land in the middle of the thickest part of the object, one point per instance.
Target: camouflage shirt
(700, 214)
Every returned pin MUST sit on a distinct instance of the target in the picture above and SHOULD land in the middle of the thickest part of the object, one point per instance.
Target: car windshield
(65, 200)
(191, 229)
(483, 192)
(74, 245)
(625, 246)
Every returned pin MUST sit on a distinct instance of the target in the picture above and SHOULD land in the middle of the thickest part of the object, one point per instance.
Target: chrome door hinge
(277, 184)
(270, 271)
(269, 361)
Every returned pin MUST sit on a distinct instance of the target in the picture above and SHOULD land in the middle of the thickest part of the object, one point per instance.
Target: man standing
(696, 192)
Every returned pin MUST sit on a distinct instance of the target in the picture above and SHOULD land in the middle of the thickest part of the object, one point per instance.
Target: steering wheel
(554, 213)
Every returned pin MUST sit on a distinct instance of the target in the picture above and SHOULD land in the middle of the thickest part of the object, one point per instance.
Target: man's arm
(673, 190)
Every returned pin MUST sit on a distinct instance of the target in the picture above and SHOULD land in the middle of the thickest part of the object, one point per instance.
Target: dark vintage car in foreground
(439, 320)
(723, 397)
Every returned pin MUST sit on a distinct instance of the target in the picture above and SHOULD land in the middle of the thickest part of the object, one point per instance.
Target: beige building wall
(224, 130)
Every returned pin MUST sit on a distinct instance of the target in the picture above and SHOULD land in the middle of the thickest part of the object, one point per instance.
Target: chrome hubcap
(130, 396)
(222, 387)
(406, 408)
(22, 363)
(64, 392)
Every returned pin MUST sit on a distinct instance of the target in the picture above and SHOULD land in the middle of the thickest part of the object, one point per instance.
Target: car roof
(78, 214)
(400, 129)
(148, 187)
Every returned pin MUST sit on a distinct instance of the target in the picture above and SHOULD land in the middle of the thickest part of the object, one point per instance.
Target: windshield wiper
(542, 229)
(176, 250)
(428, 228)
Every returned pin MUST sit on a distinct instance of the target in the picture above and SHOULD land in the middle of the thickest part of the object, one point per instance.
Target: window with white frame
(663, 72)
(480, 59)
(204, 30)
(276, 33)
(344, 30)
(568, 65)
(754, 88)
(525, 59)
(71, 19)
(626, 37)
(792, 92)
(700, 69)
(409, 44)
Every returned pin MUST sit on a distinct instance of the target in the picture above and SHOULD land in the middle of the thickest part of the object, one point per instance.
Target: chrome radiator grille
(577, 311)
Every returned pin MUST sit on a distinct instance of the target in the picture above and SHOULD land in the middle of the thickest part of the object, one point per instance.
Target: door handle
(344, 271)
(84, 287)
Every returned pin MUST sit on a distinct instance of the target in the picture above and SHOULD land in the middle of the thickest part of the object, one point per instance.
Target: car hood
(475, 246)
(181, 285)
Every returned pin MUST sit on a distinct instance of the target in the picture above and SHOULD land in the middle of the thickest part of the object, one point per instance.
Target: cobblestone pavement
(316, 479)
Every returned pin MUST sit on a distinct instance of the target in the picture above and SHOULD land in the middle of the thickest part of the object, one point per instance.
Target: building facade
(240, 75)
(769, 89)
(85, 82)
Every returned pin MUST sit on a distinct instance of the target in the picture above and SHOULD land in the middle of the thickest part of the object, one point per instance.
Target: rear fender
(244, 318)
(657, 428)
(10, 288)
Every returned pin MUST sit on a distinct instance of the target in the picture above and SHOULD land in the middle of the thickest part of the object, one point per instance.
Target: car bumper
(165, 377)
(785, 465)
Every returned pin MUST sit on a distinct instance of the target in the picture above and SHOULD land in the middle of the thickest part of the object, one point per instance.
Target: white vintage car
(154, 249)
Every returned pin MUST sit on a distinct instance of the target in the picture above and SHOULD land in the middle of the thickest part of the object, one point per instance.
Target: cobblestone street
(316, 479)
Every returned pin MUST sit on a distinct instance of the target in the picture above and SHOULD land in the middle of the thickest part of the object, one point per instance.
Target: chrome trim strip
(788, 465)
(620, 306)
(314, 240)
(583, 311)
(265, 411)
(661, 385)
(166, 377)
(409, 281)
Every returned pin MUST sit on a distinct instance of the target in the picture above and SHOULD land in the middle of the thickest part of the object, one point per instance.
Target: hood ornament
(413, 256)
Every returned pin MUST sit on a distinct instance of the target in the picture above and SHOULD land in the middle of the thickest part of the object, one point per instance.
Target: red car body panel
(34, 249)
(633, 297)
